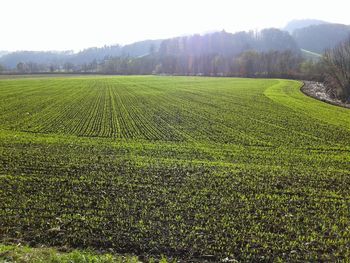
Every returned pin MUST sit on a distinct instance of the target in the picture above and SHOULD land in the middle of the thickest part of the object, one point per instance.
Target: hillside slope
(320, 37)
(302, 23)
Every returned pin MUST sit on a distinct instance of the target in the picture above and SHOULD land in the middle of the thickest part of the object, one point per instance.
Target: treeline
(251, 63)
(247, 64)
(268, 53)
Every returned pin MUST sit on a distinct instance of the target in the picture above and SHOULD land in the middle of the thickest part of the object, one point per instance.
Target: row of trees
(250, 63)
(247, 64)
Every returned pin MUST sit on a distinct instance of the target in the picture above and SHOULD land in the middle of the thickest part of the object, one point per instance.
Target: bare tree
(337, 76)
(68, 67)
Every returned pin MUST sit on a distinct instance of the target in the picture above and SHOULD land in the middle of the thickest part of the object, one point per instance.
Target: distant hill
(2, 53)
(229, 44)
(10, 60)
(141, 48)
(297, 24)
(136, 49)
(221, 43)
(318, 38)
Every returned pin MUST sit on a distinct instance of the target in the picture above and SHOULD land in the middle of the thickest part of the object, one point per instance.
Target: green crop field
(191, 168)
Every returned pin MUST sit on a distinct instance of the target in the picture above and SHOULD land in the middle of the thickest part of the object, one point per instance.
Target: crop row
(149, 109)
(193, 168)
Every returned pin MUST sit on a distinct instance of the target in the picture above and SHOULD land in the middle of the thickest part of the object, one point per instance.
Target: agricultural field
(214, 169)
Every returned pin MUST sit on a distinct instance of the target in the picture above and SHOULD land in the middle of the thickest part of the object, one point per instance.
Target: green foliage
(192, 168)
(24, 254)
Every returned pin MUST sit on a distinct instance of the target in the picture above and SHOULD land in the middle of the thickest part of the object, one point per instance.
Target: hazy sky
(77, 24)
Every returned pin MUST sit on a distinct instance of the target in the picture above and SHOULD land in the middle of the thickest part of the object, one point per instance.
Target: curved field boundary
(291, 96)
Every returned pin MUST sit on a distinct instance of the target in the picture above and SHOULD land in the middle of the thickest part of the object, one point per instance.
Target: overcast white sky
(78, 24)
